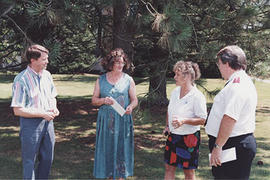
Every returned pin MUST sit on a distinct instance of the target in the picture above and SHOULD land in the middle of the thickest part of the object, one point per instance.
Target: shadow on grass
(260, 165)
(10, 151)
(263, 143)
(5, 101)
(75, 144)
(263, 110)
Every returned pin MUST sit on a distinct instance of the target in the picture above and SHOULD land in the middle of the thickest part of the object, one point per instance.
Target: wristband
(217, 146)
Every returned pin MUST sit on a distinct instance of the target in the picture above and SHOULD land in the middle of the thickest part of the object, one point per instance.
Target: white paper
(227, 155)
(117, 107)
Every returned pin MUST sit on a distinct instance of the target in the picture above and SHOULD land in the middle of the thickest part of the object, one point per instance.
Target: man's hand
(56, 112)
(49, 116)
(216, 157)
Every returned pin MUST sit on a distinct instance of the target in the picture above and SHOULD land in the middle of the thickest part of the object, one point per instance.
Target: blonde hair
(188, 67)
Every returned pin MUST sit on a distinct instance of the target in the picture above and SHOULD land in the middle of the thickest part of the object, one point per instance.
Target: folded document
(227, 155)
(117, 107)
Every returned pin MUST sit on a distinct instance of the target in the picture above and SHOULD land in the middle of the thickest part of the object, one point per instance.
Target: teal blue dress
(114, 153)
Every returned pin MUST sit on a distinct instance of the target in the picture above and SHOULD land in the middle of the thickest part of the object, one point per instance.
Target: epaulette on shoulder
(236, 80)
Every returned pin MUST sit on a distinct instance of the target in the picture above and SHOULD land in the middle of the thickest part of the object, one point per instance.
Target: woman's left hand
(129, 109)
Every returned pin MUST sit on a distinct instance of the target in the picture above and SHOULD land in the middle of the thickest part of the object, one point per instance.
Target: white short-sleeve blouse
(192, 105)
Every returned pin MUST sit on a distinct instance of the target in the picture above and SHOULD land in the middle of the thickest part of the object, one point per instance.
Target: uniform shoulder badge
(236, 80)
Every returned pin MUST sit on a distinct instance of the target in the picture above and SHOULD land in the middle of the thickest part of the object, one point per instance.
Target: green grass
(75, 133)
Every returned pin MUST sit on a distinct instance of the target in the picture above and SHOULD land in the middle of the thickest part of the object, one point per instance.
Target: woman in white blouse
(186, 112)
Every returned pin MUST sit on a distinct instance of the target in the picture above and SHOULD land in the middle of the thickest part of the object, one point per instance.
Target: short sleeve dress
(114, 153)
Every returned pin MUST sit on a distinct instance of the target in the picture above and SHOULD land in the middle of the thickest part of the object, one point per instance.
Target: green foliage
(63, 26)
(176, 31)
(40, 14)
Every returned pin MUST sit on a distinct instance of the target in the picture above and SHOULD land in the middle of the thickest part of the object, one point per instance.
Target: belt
(234, 139)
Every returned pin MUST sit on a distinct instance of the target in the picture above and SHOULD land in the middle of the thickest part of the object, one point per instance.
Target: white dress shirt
(238, 100)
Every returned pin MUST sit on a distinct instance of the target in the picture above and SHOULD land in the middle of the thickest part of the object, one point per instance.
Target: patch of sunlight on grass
(72, 127)
(263, 126)
(145, 126)
(9, 134)
(87, 132)
(74, 88)
(142, 89)
(14, 128)
(139, 131)
(148, 150)
(6, 90)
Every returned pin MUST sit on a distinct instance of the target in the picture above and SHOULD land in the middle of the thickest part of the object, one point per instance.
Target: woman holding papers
(186, 112)
(115, 93)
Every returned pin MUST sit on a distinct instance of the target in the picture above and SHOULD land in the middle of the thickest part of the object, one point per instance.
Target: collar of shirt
(34, 73)
(190, 93)
(235, 74)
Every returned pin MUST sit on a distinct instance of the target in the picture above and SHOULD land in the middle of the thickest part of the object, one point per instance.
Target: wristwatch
(217, 146)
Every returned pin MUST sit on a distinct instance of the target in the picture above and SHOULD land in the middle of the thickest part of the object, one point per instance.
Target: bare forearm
(225, 130)
(29, 112)
(194, 121)
(98, 101)
(133, 103)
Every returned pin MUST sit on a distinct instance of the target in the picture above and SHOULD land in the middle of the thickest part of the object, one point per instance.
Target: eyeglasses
(119, 63)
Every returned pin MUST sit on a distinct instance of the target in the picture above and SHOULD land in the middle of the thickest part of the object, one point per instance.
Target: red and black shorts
(183, 150)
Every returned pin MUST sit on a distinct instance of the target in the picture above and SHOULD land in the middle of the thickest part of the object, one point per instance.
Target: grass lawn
(75, 133)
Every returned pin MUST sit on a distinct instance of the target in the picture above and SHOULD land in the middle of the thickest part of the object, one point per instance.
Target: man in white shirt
(231, 121)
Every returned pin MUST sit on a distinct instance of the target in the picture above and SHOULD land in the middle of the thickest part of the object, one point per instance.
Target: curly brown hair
(188, 67)
(108, 62)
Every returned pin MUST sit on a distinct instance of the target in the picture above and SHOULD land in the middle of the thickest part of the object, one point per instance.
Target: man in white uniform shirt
(231, 121)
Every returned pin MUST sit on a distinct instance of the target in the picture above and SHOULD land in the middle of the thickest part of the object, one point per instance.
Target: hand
(215, 159)
(166, 130)
(129, 109)
(176, 122)
(49, 116)
(56, 112)
(108, 101)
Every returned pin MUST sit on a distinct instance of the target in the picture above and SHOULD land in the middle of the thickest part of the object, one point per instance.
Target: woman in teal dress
(114, 154)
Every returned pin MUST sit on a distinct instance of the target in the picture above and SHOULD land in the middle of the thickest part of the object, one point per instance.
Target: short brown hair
(34, 52)
(108, 62)
(234, 55)
(188, 67)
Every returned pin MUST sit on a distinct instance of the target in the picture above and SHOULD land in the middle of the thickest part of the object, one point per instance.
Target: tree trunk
(157, 81)
(157, 91)
(122, 37)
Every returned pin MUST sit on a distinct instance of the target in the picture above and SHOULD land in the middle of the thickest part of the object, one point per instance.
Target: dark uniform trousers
(245, 152)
